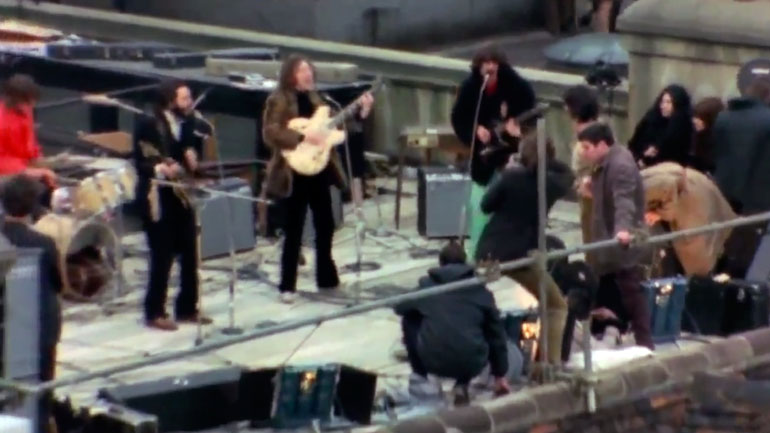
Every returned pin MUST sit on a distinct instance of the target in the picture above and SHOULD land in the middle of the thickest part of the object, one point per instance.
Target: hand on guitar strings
(483, 134)
(192, 160)
(313, 136)
(512, 128)
(366, 100)
(169, 169)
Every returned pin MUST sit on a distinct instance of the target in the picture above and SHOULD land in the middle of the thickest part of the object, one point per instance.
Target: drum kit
(79, 222)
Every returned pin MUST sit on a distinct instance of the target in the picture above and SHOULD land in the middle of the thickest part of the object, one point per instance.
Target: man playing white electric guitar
(297, 128)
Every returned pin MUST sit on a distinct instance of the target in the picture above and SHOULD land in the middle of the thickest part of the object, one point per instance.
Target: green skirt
(476, 218)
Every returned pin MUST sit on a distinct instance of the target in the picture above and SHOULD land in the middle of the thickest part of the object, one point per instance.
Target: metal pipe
(542, 268)
(381, 303)
(588, 365)
(79, 99)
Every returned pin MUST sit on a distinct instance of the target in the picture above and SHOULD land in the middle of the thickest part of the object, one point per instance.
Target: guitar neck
(343, 115)
(351, 108)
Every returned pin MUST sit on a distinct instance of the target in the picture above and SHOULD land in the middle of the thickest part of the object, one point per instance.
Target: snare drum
(111, 191)
(88, 198)
(86, 250)
(127, 179)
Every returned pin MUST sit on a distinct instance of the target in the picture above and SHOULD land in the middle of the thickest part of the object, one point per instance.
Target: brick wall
(637, 397)
(714, 403)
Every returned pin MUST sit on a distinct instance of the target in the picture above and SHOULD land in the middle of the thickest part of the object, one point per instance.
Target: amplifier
(138, 50)
(716, 308)
(114, 418)
(179, 60)
(759, 269)
(185, 403)
(215, 239)
(666, 300)
(442, 193)
(245, 53)
(20, 332)
(83, 51)
(328, 72)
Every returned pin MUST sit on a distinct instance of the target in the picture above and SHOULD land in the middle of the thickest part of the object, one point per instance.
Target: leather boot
(556, 321)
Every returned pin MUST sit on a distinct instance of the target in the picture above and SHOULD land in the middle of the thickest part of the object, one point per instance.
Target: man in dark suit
(618, 210)
(166, 145)
(20, 196)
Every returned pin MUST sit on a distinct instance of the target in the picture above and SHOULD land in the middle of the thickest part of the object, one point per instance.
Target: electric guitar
(308, 158)
(501, 142)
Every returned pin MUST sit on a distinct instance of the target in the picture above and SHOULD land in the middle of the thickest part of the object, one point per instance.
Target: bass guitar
(503, 142)
(309, 159)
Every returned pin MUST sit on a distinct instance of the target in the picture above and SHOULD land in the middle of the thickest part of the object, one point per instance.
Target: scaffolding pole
(541, 267)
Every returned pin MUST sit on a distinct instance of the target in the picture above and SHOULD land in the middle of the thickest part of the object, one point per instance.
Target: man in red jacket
(19, 149)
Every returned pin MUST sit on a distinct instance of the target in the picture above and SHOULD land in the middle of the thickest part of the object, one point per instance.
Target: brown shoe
(163, 323)
(195, 318)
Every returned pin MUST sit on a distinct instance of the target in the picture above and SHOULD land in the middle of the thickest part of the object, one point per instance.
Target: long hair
(673, 135)
(286, 80)
(488, 54)
(528, 151)
(167, 94)
(20, 89)
(707, 110)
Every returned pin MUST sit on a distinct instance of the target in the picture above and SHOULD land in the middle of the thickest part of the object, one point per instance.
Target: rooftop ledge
(739, 22)
(194, 35)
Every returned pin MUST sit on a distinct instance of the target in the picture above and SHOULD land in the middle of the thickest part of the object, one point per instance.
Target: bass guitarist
(166, 144)
(505, 96)
(296, 96)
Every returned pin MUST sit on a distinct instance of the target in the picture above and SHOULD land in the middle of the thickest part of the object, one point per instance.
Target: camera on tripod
(603, 75)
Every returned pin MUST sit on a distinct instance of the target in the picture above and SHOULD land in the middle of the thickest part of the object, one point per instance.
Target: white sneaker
(424, 390)
(288, 297)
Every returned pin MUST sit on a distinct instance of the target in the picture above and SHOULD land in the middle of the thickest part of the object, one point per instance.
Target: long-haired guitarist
(296, 96)
(166, 144)
(501, 95)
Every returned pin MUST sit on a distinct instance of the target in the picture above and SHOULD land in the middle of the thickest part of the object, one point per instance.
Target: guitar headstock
(377, 84)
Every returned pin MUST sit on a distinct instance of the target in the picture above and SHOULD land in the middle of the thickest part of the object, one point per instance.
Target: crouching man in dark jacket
(456, 334)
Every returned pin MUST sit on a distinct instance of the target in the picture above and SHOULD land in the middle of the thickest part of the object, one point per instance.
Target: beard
(180, 113)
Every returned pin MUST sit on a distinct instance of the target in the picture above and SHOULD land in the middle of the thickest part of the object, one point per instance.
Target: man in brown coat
(618, 210)
(296, 96)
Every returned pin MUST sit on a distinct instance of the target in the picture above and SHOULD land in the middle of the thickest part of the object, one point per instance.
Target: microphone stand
(229, 213)
(359, 227)
(464, 212)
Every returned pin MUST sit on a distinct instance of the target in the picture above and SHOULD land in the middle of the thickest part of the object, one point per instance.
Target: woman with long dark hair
(704, 115)
(666, 132)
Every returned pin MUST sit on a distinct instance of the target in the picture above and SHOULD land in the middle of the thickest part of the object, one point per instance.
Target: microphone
(486, 80)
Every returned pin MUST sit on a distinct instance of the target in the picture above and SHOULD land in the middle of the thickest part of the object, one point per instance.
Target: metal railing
(382, 303)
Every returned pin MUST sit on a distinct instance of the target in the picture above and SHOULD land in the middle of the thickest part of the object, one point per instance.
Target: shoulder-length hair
(286, 80)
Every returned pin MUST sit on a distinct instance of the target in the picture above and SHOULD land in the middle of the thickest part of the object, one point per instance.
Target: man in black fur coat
(506, 96)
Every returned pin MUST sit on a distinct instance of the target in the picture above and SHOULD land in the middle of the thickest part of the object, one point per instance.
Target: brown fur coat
(280, 108)
(685, 198)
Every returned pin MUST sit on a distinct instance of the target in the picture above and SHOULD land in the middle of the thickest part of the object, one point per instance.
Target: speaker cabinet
(184, 403)
(442, 193)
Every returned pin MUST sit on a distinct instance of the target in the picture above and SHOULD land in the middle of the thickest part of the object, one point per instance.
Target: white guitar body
(308, 158)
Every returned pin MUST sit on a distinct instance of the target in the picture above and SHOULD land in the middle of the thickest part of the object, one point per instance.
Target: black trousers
(410, 327)
(173, 235)
(624, 287)
(313, 191)
(47, 372)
